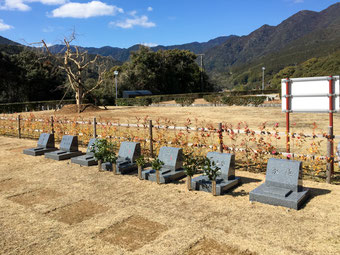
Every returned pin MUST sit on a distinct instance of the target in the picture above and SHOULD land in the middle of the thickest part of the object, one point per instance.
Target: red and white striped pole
(330, 142)
(287, 114)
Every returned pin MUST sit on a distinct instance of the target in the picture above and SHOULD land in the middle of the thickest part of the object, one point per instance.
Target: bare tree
(75, 63)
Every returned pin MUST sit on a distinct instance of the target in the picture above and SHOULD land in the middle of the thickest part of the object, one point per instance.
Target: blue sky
(123, 23)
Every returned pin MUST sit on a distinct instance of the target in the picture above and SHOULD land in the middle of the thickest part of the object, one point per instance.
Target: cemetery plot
(127, 155)
(283, 185)
(45, 144)
(87, 159)
(133, 233)
(68, 149)
(9, 184)
(224, 182)
(77, 212)
(210, 246)
(35, 197)
(171, 170)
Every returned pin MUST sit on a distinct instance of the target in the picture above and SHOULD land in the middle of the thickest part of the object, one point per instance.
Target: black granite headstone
(45, 144)
(87, 159)
(225, 181)
(172, 168)
(283, 185)
(68, 149)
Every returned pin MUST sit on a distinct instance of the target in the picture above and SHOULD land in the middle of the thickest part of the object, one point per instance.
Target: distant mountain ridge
(122, 54)
(6, 41)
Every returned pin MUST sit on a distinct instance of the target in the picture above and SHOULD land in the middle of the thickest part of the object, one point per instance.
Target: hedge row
(139, 101)
(247, 100)
(32, 106)
(185, 101)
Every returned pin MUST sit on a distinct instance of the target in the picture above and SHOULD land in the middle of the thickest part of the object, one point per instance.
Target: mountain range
(234, 60)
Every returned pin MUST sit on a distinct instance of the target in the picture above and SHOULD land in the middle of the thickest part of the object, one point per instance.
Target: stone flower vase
(157, 177)
(140, 169)
(114, 168)
(213, 187)
(100, 165)
(189, 183)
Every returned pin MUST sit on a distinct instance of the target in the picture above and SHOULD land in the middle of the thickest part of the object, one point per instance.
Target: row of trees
(32, 75)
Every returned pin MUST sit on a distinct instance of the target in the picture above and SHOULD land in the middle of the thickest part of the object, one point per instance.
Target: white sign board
(310, 94)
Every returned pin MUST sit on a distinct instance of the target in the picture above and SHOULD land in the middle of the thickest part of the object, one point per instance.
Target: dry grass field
(50, 207)
(254, 116)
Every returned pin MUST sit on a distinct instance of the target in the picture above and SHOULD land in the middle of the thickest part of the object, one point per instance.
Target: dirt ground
(51, 207)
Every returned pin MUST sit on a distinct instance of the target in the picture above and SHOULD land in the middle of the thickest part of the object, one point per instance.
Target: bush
(185, 101)
(141, 101)
(233, 100)
(214, 99)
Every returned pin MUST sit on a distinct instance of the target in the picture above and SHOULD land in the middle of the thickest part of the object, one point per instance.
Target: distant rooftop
(135, 93)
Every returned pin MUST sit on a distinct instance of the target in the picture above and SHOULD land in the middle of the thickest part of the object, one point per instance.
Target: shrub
(234, 100)
(214, 99)
(185, 101)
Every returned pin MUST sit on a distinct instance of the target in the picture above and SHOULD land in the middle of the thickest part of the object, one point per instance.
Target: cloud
(22, 5)
(150, 44)
(85, 10)
(298, 1)
(4, 27)
(141, 21)
(150, 9)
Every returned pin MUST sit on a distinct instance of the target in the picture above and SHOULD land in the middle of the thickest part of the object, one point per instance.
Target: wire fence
(252, 147)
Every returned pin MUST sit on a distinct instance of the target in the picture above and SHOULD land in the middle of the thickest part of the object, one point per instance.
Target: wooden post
(19, 128)
(287, 114)
(330, 140)
(220, 136)
(151, 139)
(52, 125)
(94, 127)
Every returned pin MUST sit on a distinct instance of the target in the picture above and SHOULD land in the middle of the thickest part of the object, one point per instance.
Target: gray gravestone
(283, 185)
(172, 169)
(225, 181)
(126, 160)
(87, 159)
(68, 149)
(45, 144)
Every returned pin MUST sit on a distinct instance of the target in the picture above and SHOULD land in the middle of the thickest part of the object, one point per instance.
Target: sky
(124, 23)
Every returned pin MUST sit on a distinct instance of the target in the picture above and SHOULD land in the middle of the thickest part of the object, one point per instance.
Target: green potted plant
(157, 165)
(104, 152)
(212, 171)
(190, 167)
(141, 162)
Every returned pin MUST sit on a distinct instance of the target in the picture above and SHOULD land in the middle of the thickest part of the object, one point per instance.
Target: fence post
(220, 136)
(52, 125)
(151, 139)
(330, 140)
(94, 127)
(19, 128)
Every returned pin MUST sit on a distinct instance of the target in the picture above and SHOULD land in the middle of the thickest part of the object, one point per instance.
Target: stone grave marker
(45, 144)
(87, 159)
(171, 170)
(68, 149)
(225, 181)
(283, 185)
(126, 160)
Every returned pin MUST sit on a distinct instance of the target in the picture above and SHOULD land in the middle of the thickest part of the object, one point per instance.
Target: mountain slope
(302, 36)
(6, 41)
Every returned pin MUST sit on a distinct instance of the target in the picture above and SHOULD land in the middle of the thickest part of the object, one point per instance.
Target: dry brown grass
(254, 116)
(114, 214)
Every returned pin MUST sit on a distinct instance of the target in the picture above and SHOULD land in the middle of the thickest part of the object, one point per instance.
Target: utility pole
(201, 55)
(263, 68)
(116, 74)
